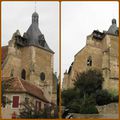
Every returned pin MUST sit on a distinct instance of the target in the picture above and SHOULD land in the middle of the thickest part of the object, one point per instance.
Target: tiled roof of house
(18, 85)
(33, 90)
(4, 53)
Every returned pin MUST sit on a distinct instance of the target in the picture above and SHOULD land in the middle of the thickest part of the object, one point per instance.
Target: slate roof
(113, 30)
(23, 86)
(34, 35)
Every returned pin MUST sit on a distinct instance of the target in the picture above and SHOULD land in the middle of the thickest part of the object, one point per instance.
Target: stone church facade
(100, 52)
(28, 62)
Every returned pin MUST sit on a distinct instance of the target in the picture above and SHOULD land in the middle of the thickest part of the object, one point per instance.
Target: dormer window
(89, 61)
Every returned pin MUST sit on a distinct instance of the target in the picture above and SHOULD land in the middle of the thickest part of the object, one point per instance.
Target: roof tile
(18, 85)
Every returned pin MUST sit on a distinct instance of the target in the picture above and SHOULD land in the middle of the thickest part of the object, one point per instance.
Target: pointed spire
(34, 35)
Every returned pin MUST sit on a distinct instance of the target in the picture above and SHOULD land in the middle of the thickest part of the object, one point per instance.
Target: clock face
(42, 76)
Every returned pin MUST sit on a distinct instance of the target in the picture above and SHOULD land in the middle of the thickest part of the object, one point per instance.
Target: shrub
(103, 97)
(83, 105)
(68, 96)
(74, 105)
(90, 109)
(88, 105)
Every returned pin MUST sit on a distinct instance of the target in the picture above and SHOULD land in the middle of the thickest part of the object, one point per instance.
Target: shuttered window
(15, 102)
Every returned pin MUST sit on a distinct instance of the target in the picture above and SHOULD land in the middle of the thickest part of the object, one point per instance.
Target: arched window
(23, 74)
(89, 61)
(42, 76)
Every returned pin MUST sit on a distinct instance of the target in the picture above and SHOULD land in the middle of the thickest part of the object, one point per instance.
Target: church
(27, 64)
(101, 52)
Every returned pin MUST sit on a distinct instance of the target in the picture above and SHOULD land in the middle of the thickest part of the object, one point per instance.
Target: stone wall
(104, 55)
(34, 60)
(111, 108)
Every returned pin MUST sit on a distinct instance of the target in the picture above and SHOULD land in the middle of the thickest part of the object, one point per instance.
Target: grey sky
(17, 15)
(79, 19)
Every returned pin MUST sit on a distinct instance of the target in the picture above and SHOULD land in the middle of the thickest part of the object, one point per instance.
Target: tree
(89, 82)
(87, 93)
(81, 99)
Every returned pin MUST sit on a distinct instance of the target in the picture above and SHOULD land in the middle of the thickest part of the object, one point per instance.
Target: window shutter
(15, 101)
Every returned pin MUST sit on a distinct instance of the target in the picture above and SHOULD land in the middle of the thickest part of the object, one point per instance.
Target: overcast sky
(79, 19)
(17, 15)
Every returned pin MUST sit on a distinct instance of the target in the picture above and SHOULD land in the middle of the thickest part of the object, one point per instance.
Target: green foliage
(89, 81)
(103, 97)
(83, 106)
(74, 105)
(90, 109)
(88, 106)
(69, 95)
(87, 93)
(28, 110)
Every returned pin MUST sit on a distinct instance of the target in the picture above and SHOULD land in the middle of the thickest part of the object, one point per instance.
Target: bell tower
(37, 58)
